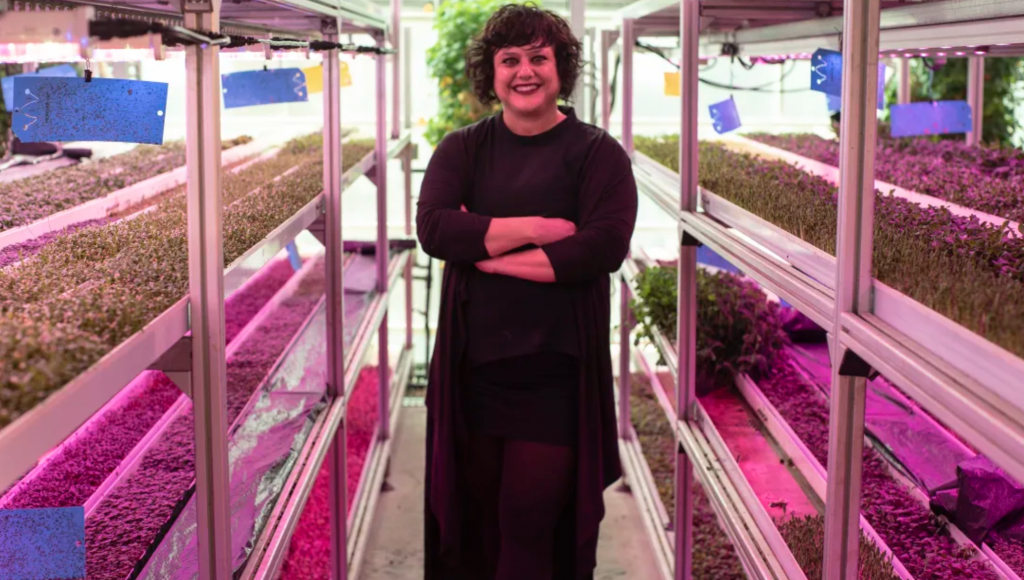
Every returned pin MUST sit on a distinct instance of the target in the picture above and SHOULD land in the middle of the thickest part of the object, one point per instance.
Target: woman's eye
(539, 59)
(509, 62)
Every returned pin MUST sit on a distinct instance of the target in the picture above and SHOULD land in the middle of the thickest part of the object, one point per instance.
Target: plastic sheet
(927, 453)
(987, 495)
(261, 454)
(263, 449)
(799, 327)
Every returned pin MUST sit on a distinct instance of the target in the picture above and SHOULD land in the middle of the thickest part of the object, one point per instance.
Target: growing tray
(966, 381)
(49, 423)
(760, 546)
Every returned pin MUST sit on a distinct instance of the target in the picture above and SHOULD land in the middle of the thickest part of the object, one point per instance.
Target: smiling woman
(531, 209)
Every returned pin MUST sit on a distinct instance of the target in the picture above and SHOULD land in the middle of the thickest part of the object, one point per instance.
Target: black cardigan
(607, 204)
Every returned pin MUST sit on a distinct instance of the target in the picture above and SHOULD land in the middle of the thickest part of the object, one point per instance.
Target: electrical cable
(171, 35)
(760, 88)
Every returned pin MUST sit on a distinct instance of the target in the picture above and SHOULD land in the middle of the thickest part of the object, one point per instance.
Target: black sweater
(516, 176)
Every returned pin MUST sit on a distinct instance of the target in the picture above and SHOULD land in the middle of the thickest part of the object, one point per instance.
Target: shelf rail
(202, 312)
(972, 390)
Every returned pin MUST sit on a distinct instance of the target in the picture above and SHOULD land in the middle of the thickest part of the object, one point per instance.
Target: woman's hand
(550, 230)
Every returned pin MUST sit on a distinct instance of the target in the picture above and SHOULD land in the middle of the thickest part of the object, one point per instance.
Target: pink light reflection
(39, 52)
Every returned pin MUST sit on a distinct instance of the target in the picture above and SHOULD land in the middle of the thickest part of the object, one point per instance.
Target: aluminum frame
(332, 151)
(976, 96)
(890, 332)
(210, 282)
(760, 547)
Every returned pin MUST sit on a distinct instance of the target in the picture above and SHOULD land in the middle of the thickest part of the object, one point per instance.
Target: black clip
(88, 72)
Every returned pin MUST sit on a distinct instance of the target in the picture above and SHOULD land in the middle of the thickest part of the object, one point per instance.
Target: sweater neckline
(546, 136)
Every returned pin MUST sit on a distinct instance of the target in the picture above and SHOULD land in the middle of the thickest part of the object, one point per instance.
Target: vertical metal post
(396, 67)
(627, 84)
(686, 331)
(606, 97)
(407, 76)
(578, 24)
(407, 168)
(976, 96)
(206, 296)
(625, 376)
(903, 88)
(381, 171)
(853, 283)
(335, 300)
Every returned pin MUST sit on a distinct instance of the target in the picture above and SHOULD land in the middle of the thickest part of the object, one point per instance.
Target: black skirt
(527, 398)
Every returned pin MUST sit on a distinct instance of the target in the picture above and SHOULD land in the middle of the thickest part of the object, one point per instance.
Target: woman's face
(526, 79)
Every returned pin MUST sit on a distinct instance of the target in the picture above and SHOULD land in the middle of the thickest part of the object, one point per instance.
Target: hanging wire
(765, 88)
(171, 35)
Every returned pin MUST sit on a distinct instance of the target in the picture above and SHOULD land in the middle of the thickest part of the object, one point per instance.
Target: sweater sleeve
(608, 205)
(444, 230)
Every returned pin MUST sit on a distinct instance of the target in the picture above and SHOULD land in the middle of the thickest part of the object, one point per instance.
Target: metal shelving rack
(200, 369)
(964, 381)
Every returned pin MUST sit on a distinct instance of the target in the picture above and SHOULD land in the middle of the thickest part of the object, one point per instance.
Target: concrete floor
(395, 547)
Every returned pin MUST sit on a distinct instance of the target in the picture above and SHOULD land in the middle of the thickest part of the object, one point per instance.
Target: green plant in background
(738, 330)
(457, 23)
(949, 82)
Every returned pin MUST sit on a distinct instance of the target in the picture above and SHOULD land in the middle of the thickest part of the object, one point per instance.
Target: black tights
(521, 489)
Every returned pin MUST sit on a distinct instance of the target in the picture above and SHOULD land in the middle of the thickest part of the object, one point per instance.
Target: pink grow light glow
(959, 53)
(39, 52)
(979, 52)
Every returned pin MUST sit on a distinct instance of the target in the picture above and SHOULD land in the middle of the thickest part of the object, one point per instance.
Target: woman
(532, 210)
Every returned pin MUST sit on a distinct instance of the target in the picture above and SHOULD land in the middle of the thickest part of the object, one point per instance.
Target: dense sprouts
(967, 271)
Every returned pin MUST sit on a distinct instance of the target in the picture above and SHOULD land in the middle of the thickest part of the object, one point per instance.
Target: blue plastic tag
(827, 72)
(724, 116)
(930, 118)
(293, 256)
(62, 109)
(41, 544)
(63, 70)
(264, 87)
(835, 102)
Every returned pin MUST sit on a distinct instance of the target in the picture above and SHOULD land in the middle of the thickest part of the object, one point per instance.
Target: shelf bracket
(318, 228)
(850, 363)
(371, 173)
(687, 240)
(176, 363)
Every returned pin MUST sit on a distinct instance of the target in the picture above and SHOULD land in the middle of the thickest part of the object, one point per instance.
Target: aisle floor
(395, 548)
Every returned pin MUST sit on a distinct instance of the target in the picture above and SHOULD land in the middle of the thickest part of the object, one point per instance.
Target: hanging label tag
(315, 77)
(931, 118)
(881, 86)
(835, 101)
(70, 109)
(40, 544)
(264, 87)
(346, 76)
(724, 116)
(7, 83)
(672, 81)
(827, 72)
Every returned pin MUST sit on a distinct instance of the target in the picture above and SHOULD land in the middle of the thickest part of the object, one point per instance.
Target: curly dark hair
(523, 25)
